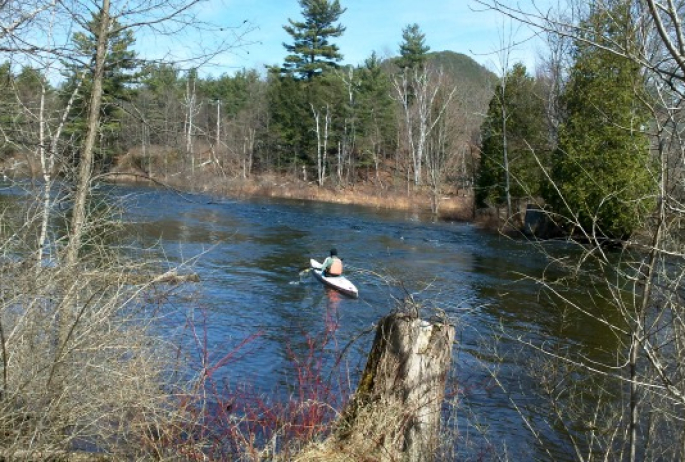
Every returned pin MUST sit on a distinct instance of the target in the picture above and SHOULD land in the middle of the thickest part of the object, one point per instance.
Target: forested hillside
(463, 69)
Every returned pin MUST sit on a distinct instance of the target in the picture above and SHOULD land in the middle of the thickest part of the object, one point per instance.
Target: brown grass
(369, 442)
(134, 167)
(452, 207)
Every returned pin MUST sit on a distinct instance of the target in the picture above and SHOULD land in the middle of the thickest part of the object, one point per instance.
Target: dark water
(249, 255)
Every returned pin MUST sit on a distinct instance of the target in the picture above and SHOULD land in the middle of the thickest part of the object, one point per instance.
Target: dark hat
(334, 252)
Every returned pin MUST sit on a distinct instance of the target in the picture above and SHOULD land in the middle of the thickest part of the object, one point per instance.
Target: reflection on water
(251, 254)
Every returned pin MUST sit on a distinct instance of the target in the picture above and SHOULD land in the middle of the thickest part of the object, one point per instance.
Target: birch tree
(447, 139)
(417, 92)
(192, 110)
(321, 141)
(347, 144)
(413, 94)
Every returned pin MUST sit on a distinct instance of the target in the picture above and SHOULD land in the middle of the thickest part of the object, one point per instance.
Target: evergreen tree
(377, 129)
(159, 100)
(601, 167)
(516, 113)
(290, 131)
(291, 104)
(304, 87)
(160, 78)
(118, 77)
(311, 52)
(8, 108)
(235, 92)
(413, 49)
(20, 95)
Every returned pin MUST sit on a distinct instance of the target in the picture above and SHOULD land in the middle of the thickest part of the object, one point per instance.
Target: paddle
(307, 269)
(313, 265)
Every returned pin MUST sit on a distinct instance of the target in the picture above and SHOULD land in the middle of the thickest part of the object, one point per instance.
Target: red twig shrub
(219, 421)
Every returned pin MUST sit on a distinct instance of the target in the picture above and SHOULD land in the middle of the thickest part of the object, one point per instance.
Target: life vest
(336, 268)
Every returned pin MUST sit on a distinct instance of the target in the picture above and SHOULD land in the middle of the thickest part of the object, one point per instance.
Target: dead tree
(395, 413)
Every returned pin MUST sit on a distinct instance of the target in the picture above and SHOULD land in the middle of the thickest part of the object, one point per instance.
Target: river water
(249, 255)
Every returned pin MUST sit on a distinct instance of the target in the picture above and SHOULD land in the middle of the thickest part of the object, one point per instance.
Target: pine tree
(290, 131)
(413, 49)
(8, 108)
(119, 67)
(601, 167)
(377, 129)
(158, 99)
(20, 95)
(311, 52)
(518, 110)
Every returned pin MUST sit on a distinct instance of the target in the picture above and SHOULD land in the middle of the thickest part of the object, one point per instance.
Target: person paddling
(332, 266)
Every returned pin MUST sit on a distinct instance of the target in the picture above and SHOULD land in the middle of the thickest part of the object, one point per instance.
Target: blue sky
(372, 25)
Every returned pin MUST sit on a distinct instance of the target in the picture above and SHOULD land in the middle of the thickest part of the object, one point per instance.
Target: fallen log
(20, 270)
(169, 277)
(172, 277)
(53, 455)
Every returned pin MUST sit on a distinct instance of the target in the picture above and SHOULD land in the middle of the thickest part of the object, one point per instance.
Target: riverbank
(384, 192)
(454, 206)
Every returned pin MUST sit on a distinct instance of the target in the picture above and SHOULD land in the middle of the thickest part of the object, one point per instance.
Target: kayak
(339, 283)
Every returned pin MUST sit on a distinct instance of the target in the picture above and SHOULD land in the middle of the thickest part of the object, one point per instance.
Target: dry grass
(451, 207)
(369, 441)
(102, 385)
(457, 207)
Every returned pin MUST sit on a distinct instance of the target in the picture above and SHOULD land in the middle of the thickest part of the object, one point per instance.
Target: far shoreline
(453, 207)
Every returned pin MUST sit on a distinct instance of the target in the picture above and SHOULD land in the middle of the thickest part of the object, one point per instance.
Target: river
(249, 255)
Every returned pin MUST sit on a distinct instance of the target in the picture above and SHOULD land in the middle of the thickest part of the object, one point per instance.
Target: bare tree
(321, 141)
(192, 109)
(17, 17)
(504, 56)
(346, 146)
(449, 140)
(78, 221)
(417, 92)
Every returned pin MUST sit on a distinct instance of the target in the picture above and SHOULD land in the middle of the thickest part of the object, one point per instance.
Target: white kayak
(339, 283)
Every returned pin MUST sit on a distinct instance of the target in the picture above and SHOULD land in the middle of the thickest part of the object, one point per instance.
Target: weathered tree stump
(395, 413)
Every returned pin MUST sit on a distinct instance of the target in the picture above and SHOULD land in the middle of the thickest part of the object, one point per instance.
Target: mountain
(463, 68)
(473, 81)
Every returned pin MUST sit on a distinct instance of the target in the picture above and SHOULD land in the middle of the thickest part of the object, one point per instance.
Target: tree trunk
(507, 191)
(78, 220)
(395, 413)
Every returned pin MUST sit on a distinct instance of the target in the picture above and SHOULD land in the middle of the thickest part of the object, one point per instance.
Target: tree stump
(395, 413)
